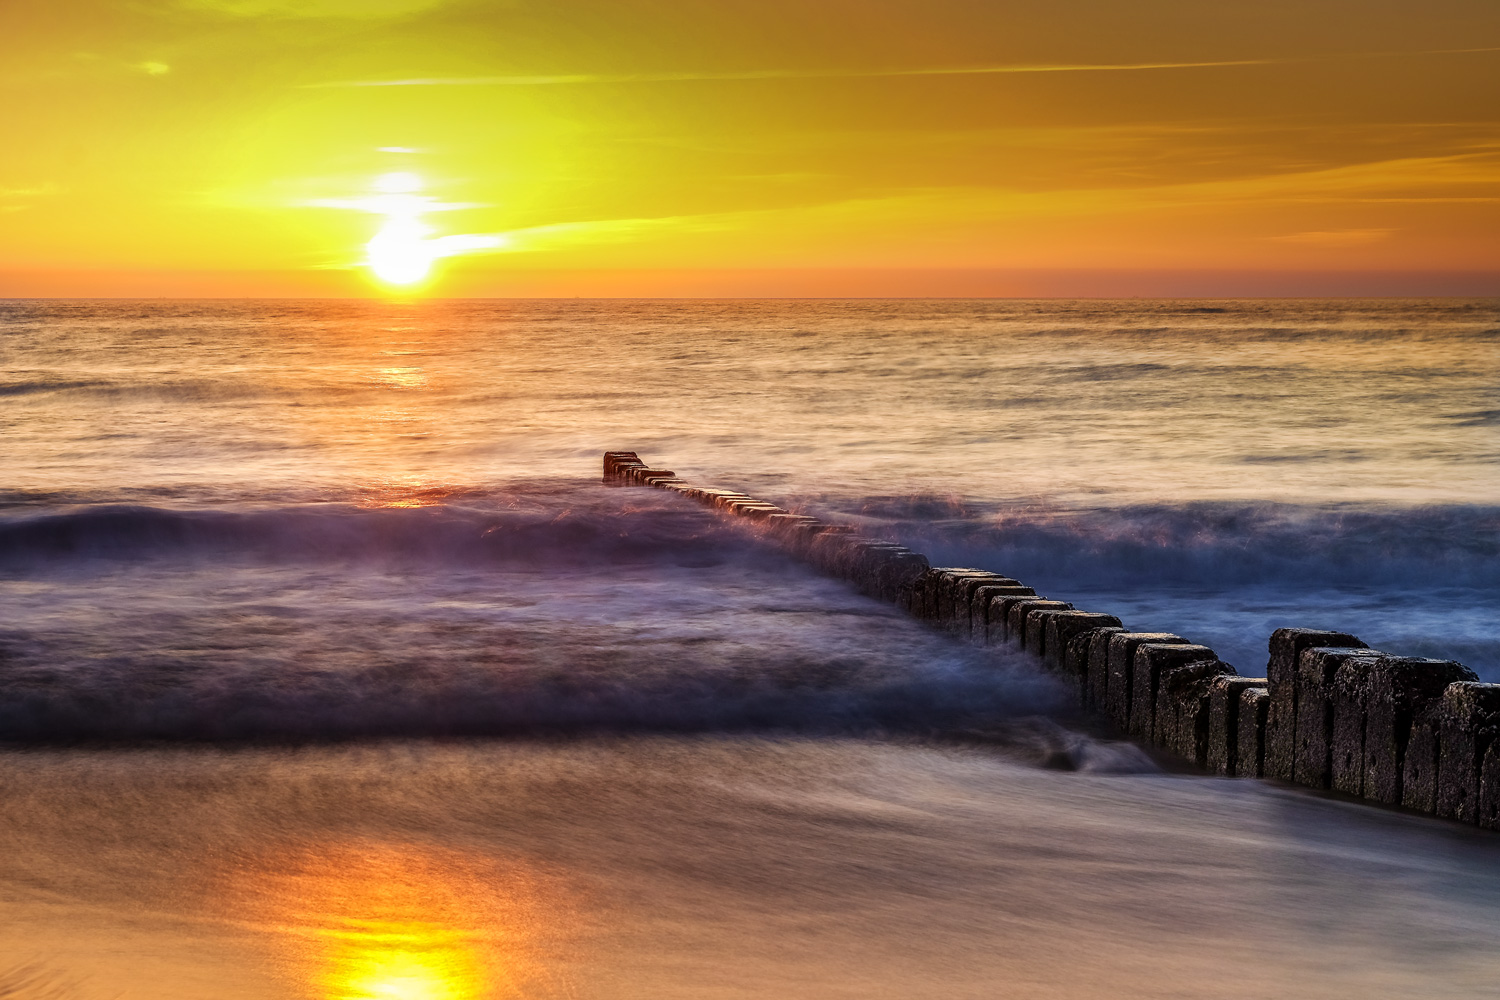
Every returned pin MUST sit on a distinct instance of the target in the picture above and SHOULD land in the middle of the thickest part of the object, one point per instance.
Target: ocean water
(329, 668)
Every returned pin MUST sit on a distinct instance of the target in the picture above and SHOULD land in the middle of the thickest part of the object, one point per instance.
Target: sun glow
(698, 148)
(380, 921)
(400, 253)
(404, 248)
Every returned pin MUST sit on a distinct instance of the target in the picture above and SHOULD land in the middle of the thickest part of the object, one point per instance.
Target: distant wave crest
(316, 532)
(1224, 546)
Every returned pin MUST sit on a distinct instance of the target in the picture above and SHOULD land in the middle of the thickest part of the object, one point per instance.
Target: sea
(331, 669)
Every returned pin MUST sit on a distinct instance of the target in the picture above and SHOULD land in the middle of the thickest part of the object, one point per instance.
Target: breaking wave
(525, 529)
(561, 610)
(1218, 545)
(1419, 581)
(530, 613)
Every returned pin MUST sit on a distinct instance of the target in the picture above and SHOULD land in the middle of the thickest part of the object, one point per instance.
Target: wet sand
(718, 867)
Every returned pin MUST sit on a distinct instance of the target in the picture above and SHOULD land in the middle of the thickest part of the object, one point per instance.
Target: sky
(728, 147)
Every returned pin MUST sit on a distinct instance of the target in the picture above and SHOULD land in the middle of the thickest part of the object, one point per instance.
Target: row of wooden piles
(1331, 713)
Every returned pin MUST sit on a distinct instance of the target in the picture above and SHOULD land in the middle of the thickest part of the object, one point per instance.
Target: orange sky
(658, 147)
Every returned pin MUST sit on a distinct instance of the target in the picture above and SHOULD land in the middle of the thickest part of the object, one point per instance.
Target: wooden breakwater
(1331, 713)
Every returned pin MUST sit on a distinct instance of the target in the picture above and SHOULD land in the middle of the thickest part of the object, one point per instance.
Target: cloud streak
(18, 199)
(585, 79)
(588, 79)
(1337, 238)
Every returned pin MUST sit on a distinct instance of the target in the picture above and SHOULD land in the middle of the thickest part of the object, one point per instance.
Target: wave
(180, 391)
(1476, 418)
(1214, 546)
(644, 529)
(1420, 581)
(30, 387)
(532, 613)
(675, 687)
(555, 610)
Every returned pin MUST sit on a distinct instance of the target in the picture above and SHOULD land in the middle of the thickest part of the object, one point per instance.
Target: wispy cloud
(601, 231)
(584, 79)
(1336, 238)
(587, 79)
(17, 199)
(307, 9)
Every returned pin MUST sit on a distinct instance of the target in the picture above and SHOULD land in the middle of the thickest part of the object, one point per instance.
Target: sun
(405, 249)
(400, 253)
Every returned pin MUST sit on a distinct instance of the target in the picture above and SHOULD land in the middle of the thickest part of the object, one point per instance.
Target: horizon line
(760, 283)
(399, 300)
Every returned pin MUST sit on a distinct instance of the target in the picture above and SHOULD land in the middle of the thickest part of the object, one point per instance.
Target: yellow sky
(620, 146)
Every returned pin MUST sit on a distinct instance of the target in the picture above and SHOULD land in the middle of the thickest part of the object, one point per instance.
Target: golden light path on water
(384, 921)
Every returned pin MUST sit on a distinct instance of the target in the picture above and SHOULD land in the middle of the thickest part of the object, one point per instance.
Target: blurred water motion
(719, 868)
(358, 536)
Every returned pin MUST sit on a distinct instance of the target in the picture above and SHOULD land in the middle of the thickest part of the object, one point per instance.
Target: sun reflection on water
(379, 921)
(401, 378)
(413, 960)
(406, 491)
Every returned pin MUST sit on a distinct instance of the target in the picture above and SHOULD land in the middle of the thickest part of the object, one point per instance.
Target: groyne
(1330, 712)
